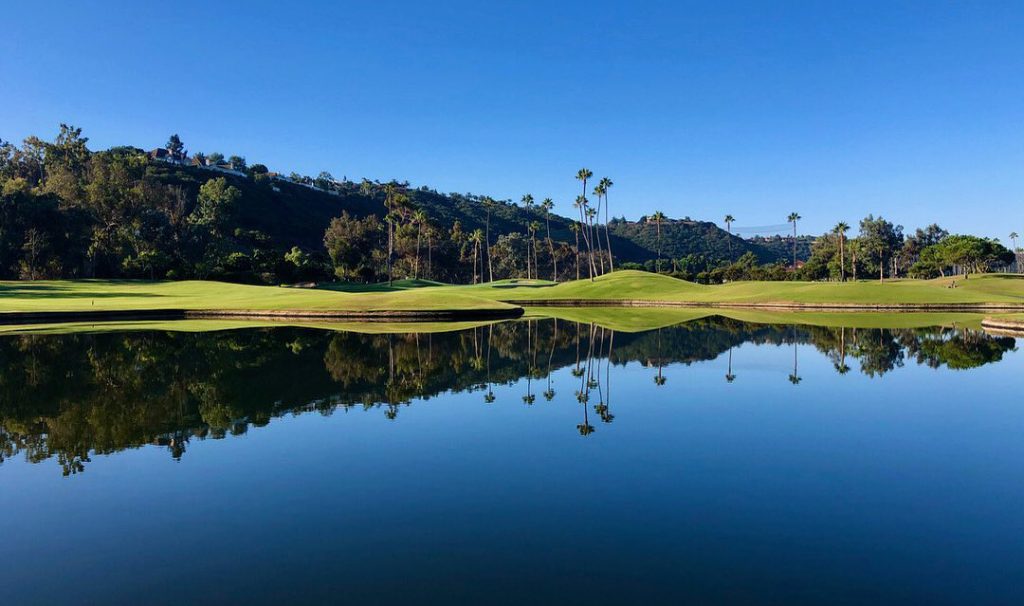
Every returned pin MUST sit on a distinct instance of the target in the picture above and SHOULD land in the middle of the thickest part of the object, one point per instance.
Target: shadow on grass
(45, 291)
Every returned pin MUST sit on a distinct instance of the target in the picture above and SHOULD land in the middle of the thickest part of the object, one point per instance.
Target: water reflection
(69, 397)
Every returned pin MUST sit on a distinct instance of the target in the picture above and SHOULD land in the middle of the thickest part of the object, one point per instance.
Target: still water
(540, 461)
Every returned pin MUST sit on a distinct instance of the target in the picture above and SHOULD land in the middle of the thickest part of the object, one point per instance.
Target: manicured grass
(63, 328)
(644, 286)
(114, 295)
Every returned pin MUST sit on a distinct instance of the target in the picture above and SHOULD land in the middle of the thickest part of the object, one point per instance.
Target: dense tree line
(68, 212)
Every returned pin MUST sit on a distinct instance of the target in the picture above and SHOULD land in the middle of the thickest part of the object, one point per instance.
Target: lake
(534, 461)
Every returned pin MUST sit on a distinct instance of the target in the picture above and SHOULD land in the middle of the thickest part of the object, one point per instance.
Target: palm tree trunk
(551, 247)
(577, 255)
(487, 248)
(607, 235)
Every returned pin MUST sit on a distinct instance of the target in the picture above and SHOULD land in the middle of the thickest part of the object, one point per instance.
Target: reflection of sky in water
(899, 488)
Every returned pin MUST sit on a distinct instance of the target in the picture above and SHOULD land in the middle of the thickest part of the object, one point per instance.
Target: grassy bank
(118, 296)
(422, 300)
(993, 289)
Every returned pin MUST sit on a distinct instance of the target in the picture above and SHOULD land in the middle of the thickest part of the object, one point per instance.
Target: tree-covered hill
(69, 212)
(683, 237)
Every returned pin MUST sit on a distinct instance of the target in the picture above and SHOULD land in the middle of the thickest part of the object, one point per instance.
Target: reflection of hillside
(71, 396)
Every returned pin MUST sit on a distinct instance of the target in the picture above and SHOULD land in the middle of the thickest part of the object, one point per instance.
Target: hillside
(682, 237)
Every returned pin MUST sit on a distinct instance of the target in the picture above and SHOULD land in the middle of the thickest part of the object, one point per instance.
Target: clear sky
(914, 110)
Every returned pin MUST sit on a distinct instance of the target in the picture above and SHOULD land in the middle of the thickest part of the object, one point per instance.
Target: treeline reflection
(69, 397)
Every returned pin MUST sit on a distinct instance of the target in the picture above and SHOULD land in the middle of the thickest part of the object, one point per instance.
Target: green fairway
(644, 286)
(115, 295)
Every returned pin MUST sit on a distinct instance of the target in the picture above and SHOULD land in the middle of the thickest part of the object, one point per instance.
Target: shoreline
(1004, 326)
(884, 307)
(451, 315)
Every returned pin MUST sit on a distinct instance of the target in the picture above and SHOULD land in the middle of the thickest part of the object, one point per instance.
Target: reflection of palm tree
(549, 393)
(659, 380)
(529, 398)
(489, 397)
(841, 366)
(729, 377)
(795, 377)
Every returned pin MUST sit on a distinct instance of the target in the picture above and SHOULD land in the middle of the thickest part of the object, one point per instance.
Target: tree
(657, 218)
(534, 228)
(215, 158)
(215, 204)
(581, 203)
(1013, 239)
(879, 239)
(728, 228)
(175, 146)
(547, 205)
(527, 201)
(477, 238)
(840, 230)
(350, 243)
(488, 207)
(419, 219)
(574, 227)
(606, 184)
(793, 218)
(237, 162)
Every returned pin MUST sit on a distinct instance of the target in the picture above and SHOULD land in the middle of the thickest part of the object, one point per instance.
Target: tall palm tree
(419, 218)
(488, 206)
(599, 192)
(581, 206)
(582, 175)
(658, 217)
(477, 238)
(729, 377)
(547, 205)
(793, 218)
(728, 227)
(534, 228)
(1016, 257)
(840, 230)
(607, 184)
(591, 213)
(574, 227)
(527, 201)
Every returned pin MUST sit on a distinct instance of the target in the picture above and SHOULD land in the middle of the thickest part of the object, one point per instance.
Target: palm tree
(793, 218)
(599, 192)
(582, 175)
(547, 205)
(574, 227)
(581, 205)
(607, 184)
(1016, 258)
(795, 377)
(419, 218)
(657, 218)
(527, 201)
(728, 227)
(840, 230)
(660, 379)
(591, 213)
(534, 228)
(477, 238)
(488, 206)
(729, 377)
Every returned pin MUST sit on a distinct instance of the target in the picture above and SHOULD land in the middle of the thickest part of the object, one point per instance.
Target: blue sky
(833, 109)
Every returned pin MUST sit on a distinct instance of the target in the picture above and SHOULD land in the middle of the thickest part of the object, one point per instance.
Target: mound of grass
(644, 286)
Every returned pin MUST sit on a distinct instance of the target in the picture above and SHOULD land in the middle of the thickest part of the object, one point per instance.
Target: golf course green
(21, 302)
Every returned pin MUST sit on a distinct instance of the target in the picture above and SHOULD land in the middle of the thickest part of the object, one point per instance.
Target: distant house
(165, 155)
